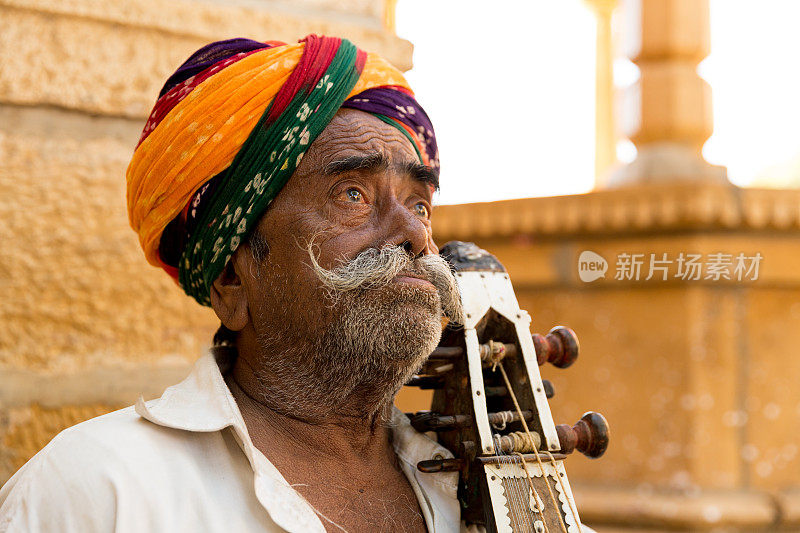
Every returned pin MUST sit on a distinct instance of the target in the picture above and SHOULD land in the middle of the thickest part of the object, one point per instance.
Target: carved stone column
(605, 137)
(389, 15)
(668, 114)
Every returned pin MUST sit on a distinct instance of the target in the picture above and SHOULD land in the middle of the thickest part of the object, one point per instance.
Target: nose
(406, 230)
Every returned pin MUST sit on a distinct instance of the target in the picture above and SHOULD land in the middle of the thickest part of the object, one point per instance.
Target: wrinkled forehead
(354, 133)
(355, 140)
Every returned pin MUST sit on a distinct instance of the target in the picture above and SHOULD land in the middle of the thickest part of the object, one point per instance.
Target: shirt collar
(436, 491)
(203, 403)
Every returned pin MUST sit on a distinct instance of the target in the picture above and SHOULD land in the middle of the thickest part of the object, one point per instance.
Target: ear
(228, 294)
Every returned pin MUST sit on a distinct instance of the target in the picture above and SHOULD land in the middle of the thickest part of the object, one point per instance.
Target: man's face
(360, 186)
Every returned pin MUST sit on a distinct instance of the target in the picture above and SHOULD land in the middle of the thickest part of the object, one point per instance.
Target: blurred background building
(697, 377)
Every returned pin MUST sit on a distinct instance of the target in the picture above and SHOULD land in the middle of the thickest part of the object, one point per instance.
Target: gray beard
(378, 334)
(377, 342)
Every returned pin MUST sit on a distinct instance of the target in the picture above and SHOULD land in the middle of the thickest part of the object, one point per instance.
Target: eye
(421, 210)
(354, 195)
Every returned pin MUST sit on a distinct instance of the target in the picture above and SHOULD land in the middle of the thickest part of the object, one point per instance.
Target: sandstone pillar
(389, 15)
(605, 145)
(668, 113)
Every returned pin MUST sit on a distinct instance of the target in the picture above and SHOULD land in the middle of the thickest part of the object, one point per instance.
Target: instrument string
(535, 493)
(539, 502)
(561, 484)
(535, 451)
(513, 497)
(521, 494)
(525, 498)
(516, 490)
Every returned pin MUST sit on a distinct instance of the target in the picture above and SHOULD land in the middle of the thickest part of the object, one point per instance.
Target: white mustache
(375, 268)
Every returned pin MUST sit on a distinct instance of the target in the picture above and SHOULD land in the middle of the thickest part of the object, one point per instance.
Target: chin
(389, 331)
(376, 340)
(407, 320)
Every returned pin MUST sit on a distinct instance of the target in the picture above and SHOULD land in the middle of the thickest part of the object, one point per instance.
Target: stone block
(77, 290)
(113, 57)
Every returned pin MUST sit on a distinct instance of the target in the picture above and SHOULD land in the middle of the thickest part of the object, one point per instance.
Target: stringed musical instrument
(490, 407)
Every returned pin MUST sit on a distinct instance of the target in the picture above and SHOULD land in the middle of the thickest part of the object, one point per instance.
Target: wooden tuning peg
(589, 435)
(440, 465)
(425, 382)
(424, 421)
(560, 347)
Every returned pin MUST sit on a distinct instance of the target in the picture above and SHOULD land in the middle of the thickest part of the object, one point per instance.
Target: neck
(318, 382)
(340, 437)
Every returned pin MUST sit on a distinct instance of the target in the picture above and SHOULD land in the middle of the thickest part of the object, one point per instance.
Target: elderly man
(288, 187)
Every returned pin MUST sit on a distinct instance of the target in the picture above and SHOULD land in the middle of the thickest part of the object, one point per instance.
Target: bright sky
(510, 89)
(754, 76)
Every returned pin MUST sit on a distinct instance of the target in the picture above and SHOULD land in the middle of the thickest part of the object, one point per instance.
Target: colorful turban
(228, 130)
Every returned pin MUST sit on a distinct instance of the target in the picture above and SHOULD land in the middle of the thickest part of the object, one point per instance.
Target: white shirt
(185, 462)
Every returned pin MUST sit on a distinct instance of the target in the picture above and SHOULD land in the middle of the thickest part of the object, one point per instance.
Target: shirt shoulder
(104, 472)
(57, 487)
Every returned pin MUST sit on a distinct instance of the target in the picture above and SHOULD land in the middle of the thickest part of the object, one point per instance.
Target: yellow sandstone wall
(85, 323)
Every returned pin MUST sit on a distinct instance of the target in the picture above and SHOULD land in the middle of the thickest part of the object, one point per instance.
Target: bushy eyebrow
(373, 162)
(376, 162)
(422, 173)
